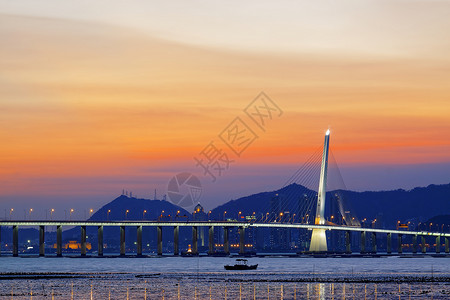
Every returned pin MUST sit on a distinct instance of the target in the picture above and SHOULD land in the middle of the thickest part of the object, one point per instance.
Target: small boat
(241, 264)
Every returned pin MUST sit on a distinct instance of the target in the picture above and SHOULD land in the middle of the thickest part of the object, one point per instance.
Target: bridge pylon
(318, 238)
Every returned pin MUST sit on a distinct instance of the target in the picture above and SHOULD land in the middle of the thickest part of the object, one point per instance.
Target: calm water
(205, 278)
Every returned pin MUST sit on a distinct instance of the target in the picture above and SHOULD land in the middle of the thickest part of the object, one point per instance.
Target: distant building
(200, 215)
(74, 245)
(280, 238)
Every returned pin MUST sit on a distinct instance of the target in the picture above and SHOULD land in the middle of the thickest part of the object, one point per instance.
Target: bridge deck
(217, 223)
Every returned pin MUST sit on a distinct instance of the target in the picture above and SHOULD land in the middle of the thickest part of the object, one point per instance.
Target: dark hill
(136, 207)
(258, 203)
(419, 203)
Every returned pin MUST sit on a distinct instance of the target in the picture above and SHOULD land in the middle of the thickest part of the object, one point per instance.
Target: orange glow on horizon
(115, 102)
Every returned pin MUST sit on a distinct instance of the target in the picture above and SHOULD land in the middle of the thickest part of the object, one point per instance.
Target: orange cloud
(82, 99)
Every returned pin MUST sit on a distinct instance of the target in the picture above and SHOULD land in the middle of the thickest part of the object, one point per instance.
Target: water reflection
(117, 288)
(130, 287)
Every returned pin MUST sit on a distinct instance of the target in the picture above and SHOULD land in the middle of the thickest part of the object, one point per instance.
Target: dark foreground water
(205, 278)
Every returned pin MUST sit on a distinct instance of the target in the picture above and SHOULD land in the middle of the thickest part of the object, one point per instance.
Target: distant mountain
(258, 203)
(116, 210)
(419, 203)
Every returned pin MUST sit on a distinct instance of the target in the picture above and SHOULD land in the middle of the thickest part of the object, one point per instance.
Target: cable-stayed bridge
(310, 206)
(195, 225)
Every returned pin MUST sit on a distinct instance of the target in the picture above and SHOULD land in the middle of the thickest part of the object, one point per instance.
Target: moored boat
(241, 264)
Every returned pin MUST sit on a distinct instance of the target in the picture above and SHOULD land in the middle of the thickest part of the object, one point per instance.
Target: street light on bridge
(143, 214)
(107, 214)
(70, 215)
(126, 214)
(363, 221)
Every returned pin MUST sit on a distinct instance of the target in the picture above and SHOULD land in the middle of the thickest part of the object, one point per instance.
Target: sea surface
(206, 278)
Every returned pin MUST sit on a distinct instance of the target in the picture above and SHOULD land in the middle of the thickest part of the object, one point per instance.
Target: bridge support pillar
(59, 240)
(159, 233)
(414, 240)
(15, 240)
(446, 245)
(424, 245)
(194, 240)
(41, 240)
(318, 236)
(389, 243)
(374, 242)
(83, 240)
(122, 240)
(363, 242)
(438, 244)
(318, 240)
(226, 242)
(241, 240)
(399, 244)
(211, 240)
(100, 241)
(176, 243)
(139, 240)
(348, 246)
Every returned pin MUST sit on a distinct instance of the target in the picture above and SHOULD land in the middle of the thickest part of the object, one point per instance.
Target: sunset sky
(100, 97)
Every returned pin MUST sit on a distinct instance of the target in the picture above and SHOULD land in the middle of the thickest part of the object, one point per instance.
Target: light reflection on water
(203, 290)
(204, 278)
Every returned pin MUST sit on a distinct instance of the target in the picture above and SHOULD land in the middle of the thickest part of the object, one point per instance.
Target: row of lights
(224, 214)
(234, 245)
(90, 212)
(143, 213)
(71, 211)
